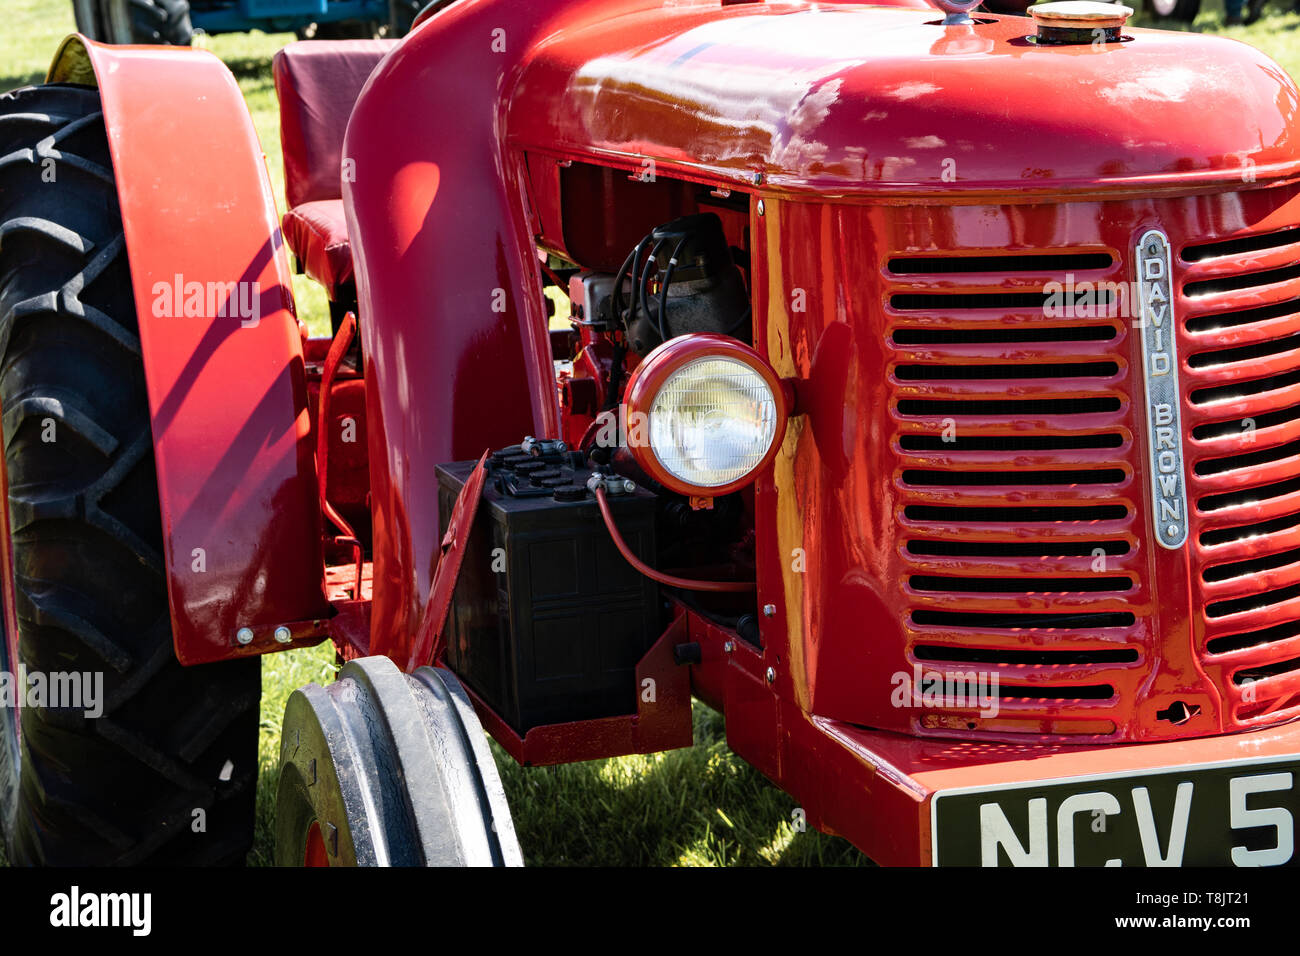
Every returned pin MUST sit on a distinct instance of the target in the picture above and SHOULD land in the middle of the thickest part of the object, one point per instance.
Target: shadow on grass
(700, 806)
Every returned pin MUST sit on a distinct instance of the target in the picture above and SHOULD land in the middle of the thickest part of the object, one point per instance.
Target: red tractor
(929, 404)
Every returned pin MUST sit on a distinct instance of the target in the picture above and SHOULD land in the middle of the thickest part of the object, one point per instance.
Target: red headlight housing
(705, 414)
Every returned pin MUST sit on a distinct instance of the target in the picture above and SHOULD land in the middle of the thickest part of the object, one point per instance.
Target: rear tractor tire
(135, 21)
(383, 768)
(1184, 11)
(166, 773)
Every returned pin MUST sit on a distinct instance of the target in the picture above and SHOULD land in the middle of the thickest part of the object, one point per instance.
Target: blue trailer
(176, 21)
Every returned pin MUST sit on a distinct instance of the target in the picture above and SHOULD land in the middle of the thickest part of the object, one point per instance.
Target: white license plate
(1237, 813)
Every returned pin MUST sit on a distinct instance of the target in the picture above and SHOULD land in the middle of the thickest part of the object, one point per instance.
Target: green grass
(698, 807)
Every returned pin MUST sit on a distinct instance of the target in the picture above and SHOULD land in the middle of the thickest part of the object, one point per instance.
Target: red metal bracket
(429, 642)
(662, 720)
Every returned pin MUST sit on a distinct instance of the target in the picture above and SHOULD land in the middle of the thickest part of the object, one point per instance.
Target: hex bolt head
(629, 485)
(244, 635)
(729, 646)
(762, 207)
(283, 634)
(771, 674)
(769, 610)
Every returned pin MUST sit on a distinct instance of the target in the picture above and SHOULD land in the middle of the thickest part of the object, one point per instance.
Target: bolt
(771, 675)
(244, 635)
(761, 207)
(283, 635)
(758, 179)
(729, 646)
(331, 837)
(629, 485)
(769, 610)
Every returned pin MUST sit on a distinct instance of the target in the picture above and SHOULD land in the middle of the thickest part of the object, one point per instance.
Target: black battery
(548, 620)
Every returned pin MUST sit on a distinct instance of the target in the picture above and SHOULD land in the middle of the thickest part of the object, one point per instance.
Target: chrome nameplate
(1160, 376)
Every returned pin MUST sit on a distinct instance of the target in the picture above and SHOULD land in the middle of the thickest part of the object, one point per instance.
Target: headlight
(705, 414)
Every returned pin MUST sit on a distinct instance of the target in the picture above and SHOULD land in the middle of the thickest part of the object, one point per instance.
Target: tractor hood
(842, 99)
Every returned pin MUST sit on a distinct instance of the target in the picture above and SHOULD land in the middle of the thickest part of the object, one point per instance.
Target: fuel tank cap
(1066, 22)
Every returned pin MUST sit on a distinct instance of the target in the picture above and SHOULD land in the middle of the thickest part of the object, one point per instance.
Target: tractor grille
(1016, 485)
(1241, 318)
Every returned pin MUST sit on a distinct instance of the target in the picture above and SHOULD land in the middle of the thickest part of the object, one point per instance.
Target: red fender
(227, 386)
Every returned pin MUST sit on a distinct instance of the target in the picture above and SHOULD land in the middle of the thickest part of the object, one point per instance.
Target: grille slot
(1017, 549)
(934, 373)
(1237, 569)
(1013, 514)
(1245, 532)
(914, 442)
(1217, 466)
(1249, 496)
(996, 621)
(1239, 246)
(911, 335)
(1238, 390)
(1230, 320)
(1102, 303)
(1018, 658)
(1253, 602)
(1098, 476)
(1011, 407)
(1039, 692)
(1250, 674)
(1236, 426)
(1239, 642)
(1245, 353)
(1017, 585)
(1249, 280)
(1041, 262)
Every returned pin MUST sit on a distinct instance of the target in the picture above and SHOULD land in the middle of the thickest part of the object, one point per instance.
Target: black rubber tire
(401, 14)
(341, 30)
(1184, 11)
(161, 21)
(86, 536)
(393, 770)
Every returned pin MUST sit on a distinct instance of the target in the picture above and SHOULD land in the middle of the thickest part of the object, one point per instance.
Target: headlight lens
(712, 422)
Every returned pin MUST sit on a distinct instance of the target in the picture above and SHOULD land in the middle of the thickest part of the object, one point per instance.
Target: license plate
(1237, 813)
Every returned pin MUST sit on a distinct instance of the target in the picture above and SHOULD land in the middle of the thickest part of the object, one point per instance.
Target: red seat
(318, 235)
(318, 82)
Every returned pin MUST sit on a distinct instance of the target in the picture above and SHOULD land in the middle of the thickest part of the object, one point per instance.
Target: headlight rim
(670, 357)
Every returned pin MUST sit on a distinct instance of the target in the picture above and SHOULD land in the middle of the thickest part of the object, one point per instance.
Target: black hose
(645, 280)
(663, 289)
(628, 263)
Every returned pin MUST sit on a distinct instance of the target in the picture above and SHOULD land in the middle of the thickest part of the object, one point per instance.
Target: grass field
(701, 806)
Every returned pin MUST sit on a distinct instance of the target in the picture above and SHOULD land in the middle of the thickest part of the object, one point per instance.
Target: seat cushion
(317, 233)
(318, 82)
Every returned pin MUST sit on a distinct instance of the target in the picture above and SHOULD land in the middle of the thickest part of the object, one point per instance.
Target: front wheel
(383, 768)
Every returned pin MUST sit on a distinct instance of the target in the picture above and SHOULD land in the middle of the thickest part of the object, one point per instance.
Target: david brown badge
(1160, 375)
